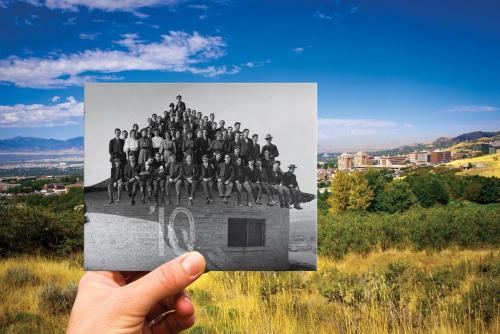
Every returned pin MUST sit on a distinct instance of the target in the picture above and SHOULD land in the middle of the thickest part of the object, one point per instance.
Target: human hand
(148, 303)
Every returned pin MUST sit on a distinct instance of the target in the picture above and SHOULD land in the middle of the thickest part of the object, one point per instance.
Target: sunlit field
(491, 166)
(453, 291)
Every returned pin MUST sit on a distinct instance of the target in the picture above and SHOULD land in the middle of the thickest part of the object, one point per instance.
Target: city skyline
(388, 74)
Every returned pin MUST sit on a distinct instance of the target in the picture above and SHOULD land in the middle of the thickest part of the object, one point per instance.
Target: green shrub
(19, 276)
(56, 300)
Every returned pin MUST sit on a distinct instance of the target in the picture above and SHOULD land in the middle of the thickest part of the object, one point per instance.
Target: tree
(376, 179)
(429, 189)
(339, 190)
(360, 193)
(396, 197)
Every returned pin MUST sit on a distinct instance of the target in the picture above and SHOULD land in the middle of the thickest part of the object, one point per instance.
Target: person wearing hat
(116, 147)
(115, 179)
(225, 176)
(190, 177)
(180, 106)
(276, 181)
(290, 182)
(207, 175)
(239, 182)
(171, 111)
(245, 145)
(273, 150)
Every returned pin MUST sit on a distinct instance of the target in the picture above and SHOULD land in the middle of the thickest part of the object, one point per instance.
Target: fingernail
(193, 263)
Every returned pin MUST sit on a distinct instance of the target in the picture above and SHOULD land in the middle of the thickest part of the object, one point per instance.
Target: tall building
(345, 161)
(419, 158)
(361, 159)
(439, 157)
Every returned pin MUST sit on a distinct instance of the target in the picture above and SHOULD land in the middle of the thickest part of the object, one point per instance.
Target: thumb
(166, 280)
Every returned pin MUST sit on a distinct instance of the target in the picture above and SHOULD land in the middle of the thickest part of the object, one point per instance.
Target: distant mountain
(30, 144)
(440, 143)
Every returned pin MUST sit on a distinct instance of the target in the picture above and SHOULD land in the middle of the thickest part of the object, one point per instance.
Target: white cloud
(55, 99)
(322, 16)
(90, 37)
(198, 6)
(355, 122)
(176, 52)
(39, 115)
(408, 125)
(298, 50)
(472, 108)
(106, 5)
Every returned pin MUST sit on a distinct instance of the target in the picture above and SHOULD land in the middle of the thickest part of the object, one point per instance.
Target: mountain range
(472, 138)
(31, 144)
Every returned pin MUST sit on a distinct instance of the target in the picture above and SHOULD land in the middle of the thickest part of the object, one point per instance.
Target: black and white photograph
(228, 170)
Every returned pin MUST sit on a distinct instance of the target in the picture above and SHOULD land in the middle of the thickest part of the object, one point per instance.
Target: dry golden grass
(491, 165)
(291, 302)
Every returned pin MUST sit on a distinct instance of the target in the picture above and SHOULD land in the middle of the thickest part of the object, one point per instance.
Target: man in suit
(236, 130)
(225, 176)
(181, 106)
(251, 182)
(267, 162)
(245, 145)
(239, 182)
(115, 179)
(233, 143)
(190, 176)
(273, 150)
(131, 177)
(116, 147)
(200, 147)
(276, 181)
(221, 126)
(207, 175)
(290, 182)
(255, 147)
(217, 145)
(174, 179)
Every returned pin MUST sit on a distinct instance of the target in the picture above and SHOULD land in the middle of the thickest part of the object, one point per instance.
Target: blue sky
(388, 72)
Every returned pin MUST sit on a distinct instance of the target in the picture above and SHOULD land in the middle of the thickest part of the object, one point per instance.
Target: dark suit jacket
(273, 150)
(239, 173)
(290, 179)
(190, 171)
(255, 152)
(207, 172)
(260, 175)
(116, 148)
(116, 173)
(275, 177)
(225, 171)
(246, 146)
(180, 106)
(250, 174)
(131, 172)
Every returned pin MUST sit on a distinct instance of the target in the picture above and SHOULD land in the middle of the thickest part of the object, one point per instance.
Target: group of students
(163, 156)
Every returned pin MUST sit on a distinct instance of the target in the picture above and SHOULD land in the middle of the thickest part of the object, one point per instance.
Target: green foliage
(56, 300)
(429, 229)
(28, 228)
(429, 189)
(395, 197)
(377, 180)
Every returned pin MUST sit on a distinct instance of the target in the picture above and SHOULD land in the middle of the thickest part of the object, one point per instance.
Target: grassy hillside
(491, 165)
(452, 291)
